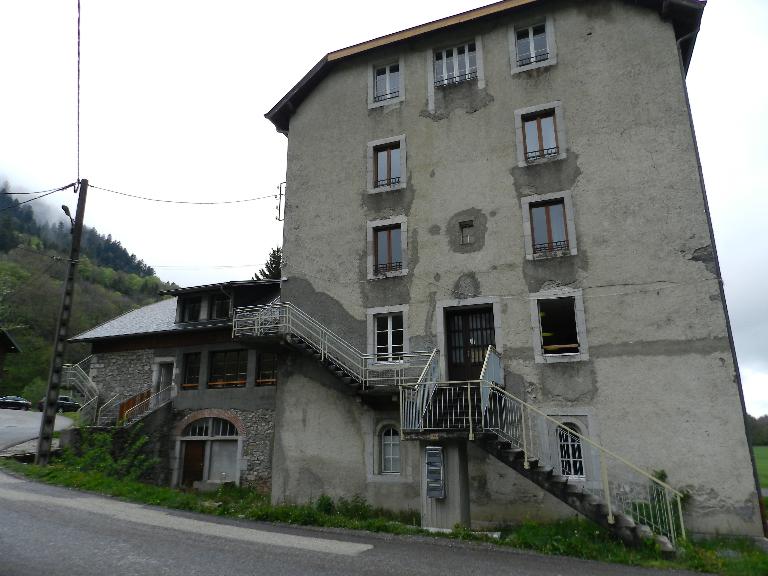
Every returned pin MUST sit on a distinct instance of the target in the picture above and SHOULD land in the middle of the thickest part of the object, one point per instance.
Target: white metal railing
(283, 318)
(88, 411)
(74, 376)
(484, 406)
(150, 404)
(107, 413)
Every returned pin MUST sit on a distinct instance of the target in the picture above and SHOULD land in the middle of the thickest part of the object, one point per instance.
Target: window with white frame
(389, 332)
(531, 44)
(456, 64)
(386, 82)
(389, 439)
(570, 449)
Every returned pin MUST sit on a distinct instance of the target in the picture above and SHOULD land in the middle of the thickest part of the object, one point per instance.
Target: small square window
(386, 165)
(456, 64)
(219, 307)
(386, 82)
(540, 136)
(387, 249)
(466, 232)
(190, 309)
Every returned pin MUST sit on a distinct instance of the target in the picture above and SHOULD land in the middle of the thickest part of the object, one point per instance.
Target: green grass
(761, 459)
(575, 537)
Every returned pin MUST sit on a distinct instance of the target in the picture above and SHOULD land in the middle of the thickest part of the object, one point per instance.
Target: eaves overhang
(685, 15)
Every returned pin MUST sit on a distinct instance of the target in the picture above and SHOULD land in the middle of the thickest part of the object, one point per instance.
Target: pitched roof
(219, 285)
(157, 317)
(685, 14)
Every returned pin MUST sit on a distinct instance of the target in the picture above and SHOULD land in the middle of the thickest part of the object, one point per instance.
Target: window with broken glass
(557, 317)
(455, 65)
(389, 337)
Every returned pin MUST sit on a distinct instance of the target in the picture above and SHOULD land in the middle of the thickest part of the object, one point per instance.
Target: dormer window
(220, 307)
(190, 309)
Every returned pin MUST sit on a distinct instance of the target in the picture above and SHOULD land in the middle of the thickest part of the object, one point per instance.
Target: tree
(271, 270)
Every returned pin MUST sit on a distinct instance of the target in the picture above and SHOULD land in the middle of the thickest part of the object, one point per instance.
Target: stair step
(665, 545)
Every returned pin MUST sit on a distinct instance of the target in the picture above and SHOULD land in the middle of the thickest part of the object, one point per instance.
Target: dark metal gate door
(468, 335)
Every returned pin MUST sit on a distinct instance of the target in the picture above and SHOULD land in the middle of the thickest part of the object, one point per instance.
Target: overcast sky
(172, 104)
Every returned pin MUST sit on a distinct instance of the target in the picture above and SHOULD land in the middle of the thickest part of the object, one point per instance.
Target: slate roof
(157, 317)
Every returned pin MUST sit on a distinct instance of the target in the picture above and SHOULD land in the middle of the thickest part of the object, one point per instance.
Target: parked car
(15, 403)
(66, 404)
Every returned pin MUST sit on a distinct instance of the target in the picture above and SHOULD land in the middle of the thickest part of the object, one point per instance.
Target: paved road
(55, 531)
(17, 426)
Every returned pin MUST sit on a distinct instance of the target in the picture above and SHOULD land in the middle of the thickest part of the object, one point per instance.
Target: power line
(184, 201)
(48, 193)
(38, 192)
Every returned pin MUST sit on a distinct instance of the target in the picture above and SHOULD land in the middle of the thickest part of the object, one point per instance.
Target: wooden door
(194, 462)
(469, 332)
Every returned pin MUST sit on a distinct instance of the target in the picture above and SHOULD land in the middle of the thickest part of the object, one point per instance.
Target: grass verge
(761, 460)
(575, 537)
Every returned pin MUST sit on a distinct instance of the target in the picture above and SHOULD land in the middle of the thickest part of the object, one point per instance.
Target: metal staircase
(75, 377)
(598, 483)
(362, 371)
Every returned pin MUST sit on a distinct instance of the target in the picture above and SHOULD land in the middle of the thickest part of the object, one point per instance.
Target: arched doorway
(210, 452)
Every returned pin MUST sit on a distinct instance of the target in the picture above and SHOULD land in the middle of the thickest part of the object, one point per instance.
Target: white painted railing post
(526, 464)
(606, 488)
(469, 407)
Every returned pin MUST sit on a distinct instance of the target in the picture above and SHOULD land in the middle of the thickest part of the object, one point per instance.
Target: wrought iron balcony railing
(533, 155)
(547, 247)
(380, 269)
(456, 78)
(387, 182)
(533, 58)
(387, 96)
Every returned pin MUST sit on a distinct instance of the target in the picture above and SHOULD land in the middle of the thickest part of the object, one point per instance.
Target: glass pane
(548, 132)
(523, 46)
(557, 222)
(539, 41)
(396, 248)
(449, 63)
(381, 167)
(472, 67)
(439, 67)
(381, 81)
(382, 253)
(397, 321)
(531, 136)
(394, 78)
(461, 61)
(394, 163)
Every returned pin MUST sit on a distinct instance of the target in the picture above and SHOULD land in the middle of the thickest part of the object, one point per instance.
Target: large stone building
(500, 295)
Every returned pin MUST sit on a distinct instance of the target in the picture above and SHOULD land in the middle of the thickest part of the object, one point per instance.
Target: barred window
(571, 456)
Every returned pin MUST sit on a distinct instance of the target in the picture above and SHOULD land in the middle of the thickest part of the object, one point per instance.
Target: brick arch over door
(211, 412)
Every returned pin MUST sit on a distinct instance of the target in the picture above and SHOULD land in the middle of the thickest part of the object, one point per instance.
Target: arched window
(571, 455)
(209, 452)
(390, 450)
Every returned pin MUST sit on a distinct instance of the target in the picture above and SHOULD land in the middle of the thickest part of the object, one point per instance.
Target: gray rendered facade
(658, 382)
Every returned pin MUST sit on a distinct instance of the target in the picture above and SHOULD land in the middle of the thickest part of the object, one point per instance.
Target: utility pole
(62, 331)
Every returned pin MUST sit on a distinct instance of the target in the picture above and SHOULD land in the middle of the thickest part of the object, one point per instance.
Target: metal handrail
(286, 318)
(88, 411)
(155, 401)
(112, 403)
(73, 376)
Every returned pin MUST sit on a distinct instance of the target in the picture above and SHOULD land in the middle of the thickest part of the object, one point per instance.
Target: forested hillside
(33, 263)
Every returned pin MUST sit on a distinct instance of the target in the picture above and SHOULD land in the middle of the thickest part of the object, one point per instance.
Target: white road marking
(135, 513)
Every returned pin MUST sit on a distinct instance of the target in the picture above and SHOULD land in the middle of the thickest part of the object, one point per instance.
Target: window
(210, 427)
(548, 227)
(571, 456)
(267, 374)
(390, 450)
(191, 374)
(466, 231)
(388, 249)
(531, 45)
(540, 136)
(386, 164)
(454, 65)
(190, 309)
(559, 326)
(386, 82)
(389, 332)
(219, 307)
(228, 368)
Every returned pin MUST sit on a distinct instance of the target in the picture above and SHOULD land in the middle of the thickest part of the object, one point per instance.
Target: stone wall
(122, 372)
